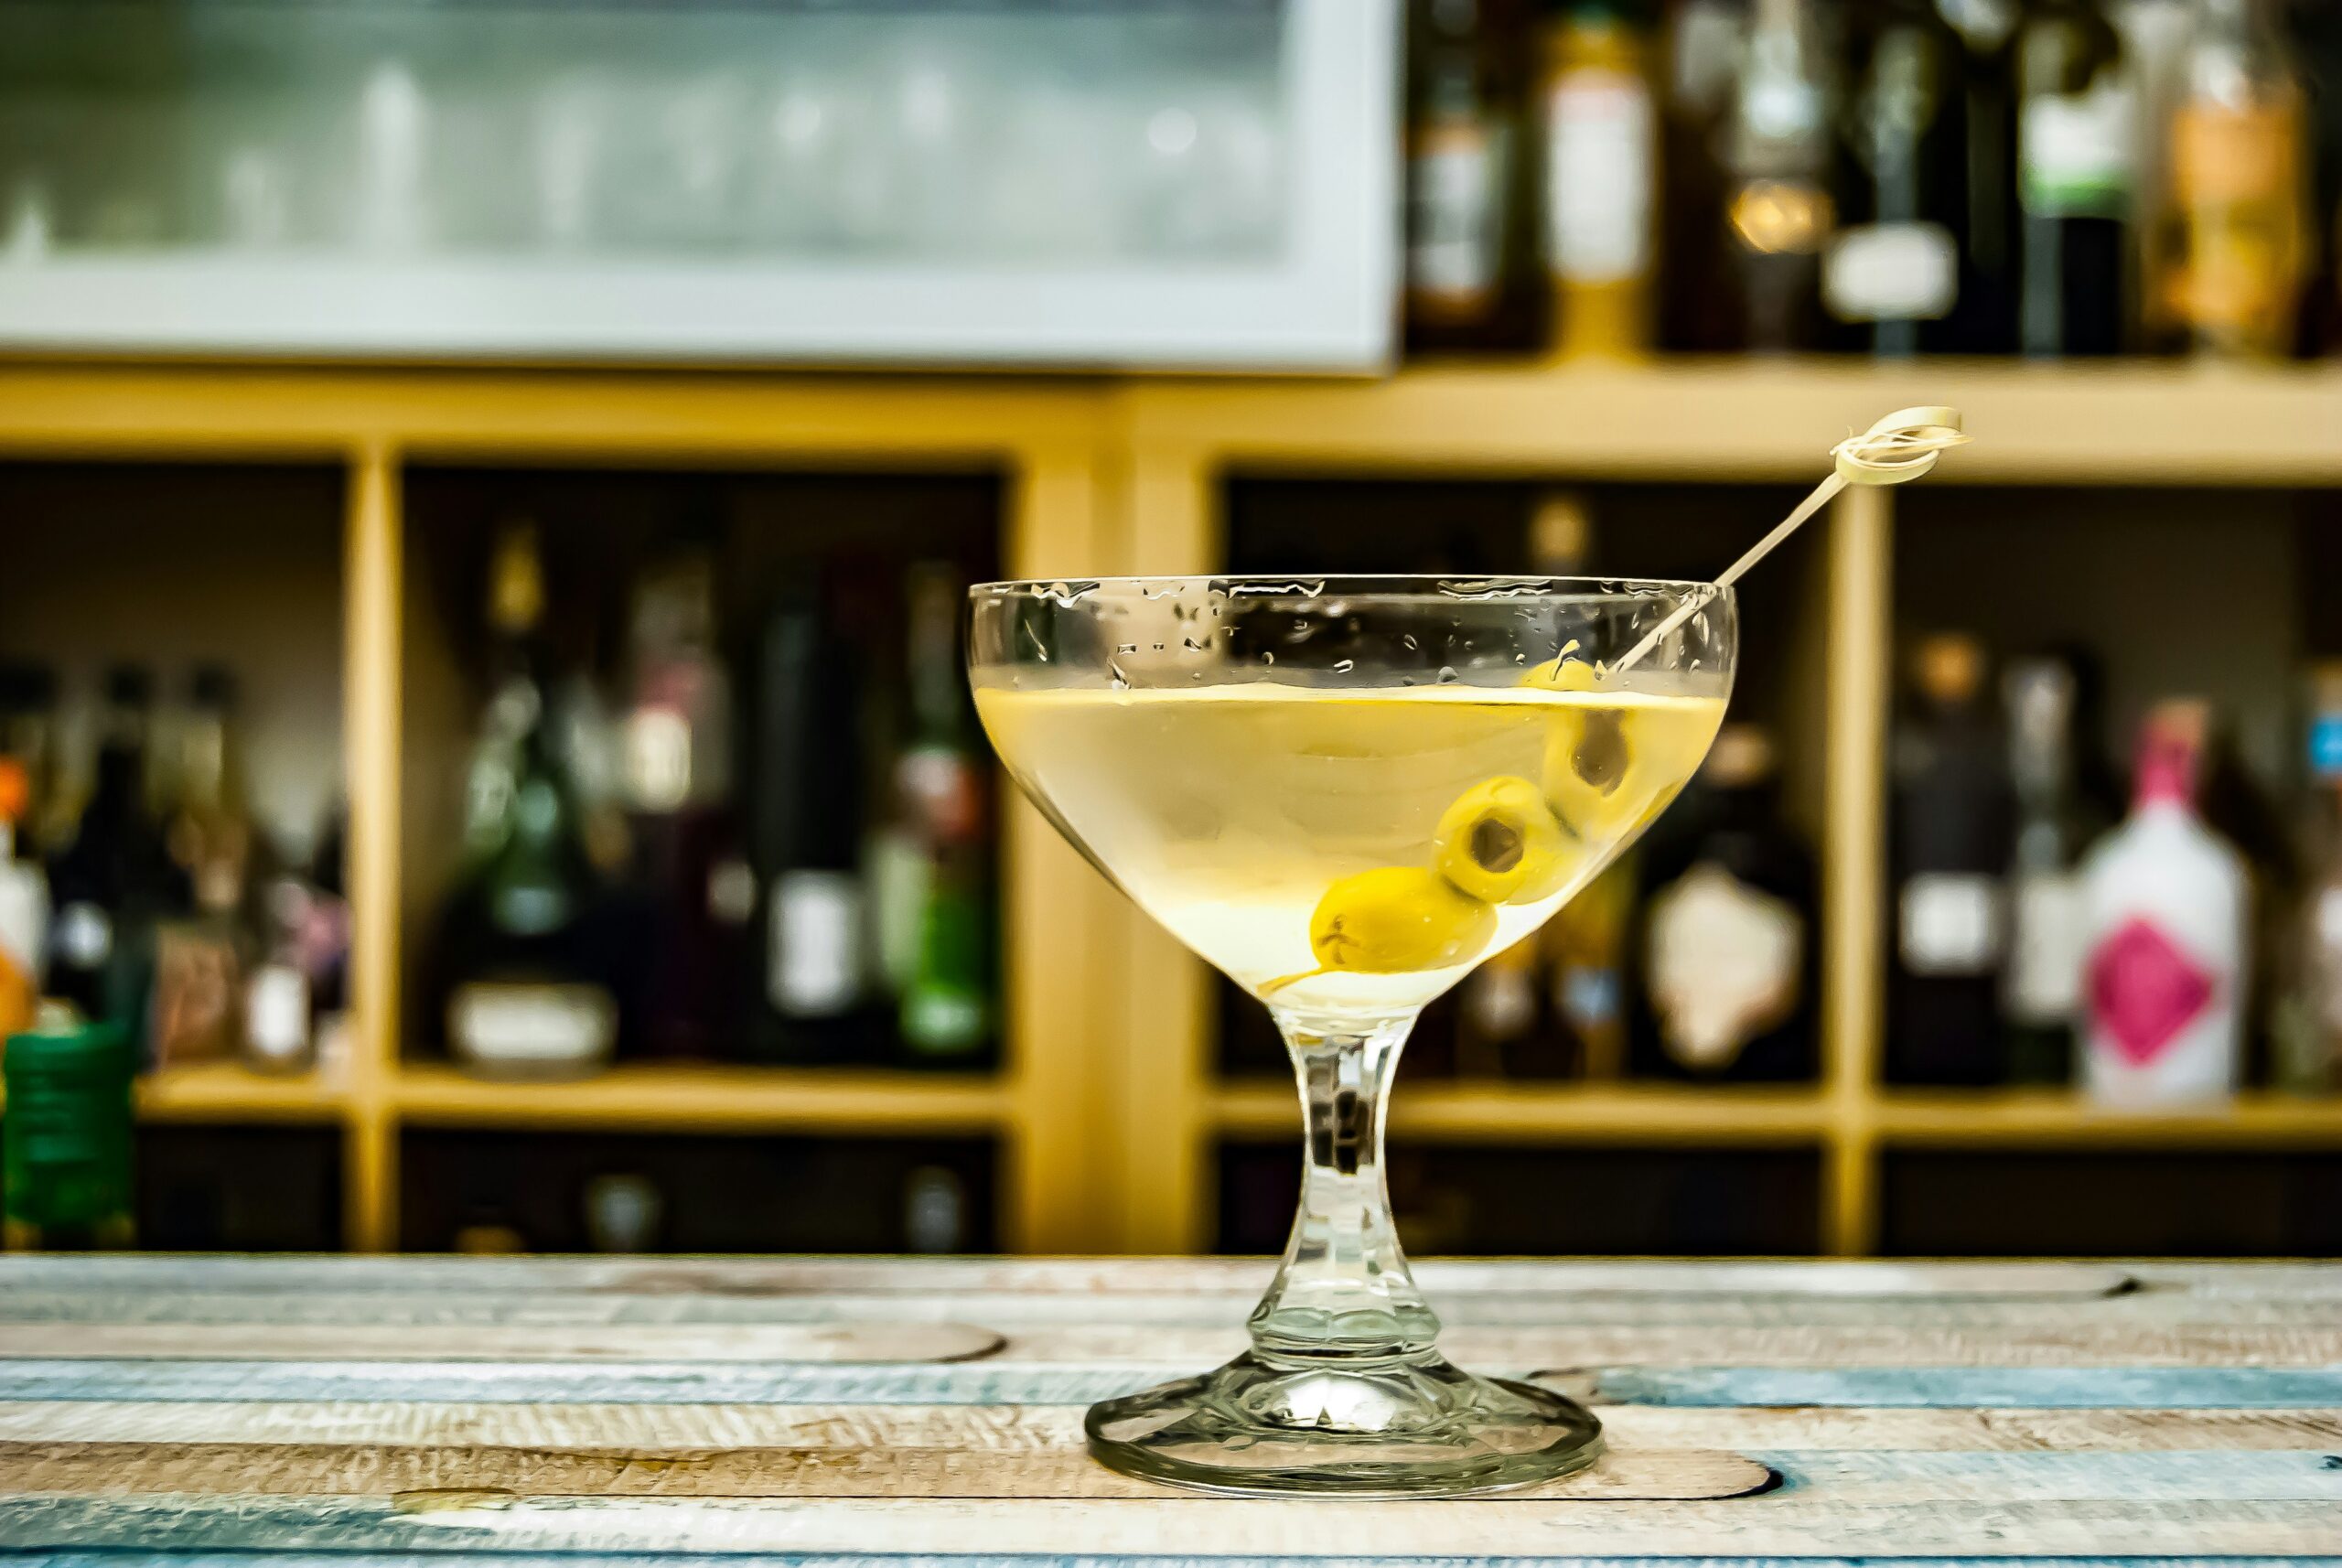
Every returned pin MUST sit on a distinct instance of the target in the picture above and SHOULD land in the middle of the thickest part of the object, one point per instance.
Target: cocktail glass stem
(1344, 1289)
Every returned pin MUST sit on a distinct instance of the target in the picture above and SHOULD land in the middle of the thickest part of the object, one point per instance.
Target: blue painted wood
(2027, 1388)
(79, 1559)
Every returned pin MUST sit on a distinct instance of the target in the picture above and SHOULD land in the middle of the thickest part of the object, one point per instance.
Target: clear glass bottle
(1778, 210)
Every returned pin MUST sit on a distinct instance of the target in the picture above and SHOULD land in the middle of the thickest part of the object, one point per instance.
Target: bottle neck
(2167, 779)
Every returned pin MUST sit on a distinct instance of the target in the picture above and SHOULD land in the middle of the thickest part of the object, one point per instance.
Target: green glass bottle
(67, 1139)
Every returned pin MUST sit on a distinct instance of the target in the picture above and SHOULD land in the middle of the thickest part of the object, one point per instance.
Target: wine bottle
(1778, 212)
(1704, 42)
(1949, 858)
(1893, 271)
(676, 781)
(812, 914)
(526, 943)
(2168, 909)
(2057, 819)
(2236, 185)
(1729, 961)
(934, 926)
(114, 881)
(1462, 189)
(1601, 155)
(2074, 181)
(1984, 317)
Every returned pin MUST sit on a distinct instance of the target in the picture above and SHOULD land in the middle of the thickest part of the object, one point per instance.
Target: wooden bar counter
(223, 1409)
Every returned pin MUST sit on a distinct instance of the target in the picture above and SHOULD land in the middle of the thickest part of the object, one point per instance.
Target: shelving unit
(1107, 1105)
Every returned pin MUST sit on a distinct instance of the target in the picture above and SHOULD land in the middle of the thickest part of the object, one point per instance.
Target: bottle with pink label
(2167, 911)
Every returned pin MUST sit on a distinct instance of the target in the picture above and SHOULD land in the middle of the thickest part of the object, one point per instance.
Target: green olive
(1563, 674)
(1397, 920)
(1500, 841)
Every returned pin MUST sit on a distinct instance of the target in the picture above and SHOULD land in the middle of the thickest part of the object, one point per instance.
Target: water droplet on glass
(1158, 648)
(1126, 648)
(1121, 682)
(1267, 657)
(1447, 675)
(1520, 658)
(1409, 639)
(1344, 666)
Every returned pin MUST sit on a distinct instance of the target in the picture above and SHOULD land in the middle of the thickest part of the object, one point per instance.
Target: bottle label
(1952, 923)
(523, 1025)
(84, 936)
(2048, 949)
(658, 759)
(2074, 153)
(276, 1014)
(814, 962)
(2233, 177)
(1590, 998)
(2144, 991)
(1891, 271)
(1724, 962)
(1598, 177)
(2325, 745)
(1456, 178)
(2326, 962)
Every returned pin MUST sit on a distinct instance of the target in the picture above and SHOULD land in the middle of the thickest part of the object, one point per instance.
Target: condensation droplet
(1121, 682)
(1126, 648)
(1409, 639)
(1267, 657)
(1344, 666)
(1447, 675)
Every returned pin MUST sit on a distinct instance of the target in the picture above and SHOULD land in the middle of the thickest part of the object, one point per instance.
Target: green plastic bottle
(65, 1145)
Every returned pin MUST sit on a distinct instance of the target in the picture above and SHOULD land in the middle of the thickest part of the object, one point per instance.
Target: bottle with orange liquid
(24, 906)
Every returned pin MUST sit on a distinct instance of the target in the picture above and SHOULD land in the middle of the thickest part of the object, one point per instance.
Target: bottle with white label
(2058, 816)
(1729, 961)
(1891, 277)
(528, 950)
(813, 962)
(1600, 131)
(1951, 832)
(2167, 908)
(2075, 178)
(1462, 193)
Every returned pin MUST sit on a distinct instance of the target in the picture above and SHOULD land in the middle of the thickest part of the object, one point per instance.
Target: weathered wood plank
(1789, 1524)
(255, 1469)
(1036, 1427)
(1086, 1560)
(2018, 1387)
(854, 1344)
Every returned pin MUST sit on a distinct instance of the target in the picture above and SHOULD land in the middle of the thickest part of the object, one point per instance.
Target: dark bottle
(114, 881)
(1984, 320)
(527, 945)
(1465, 233)
(1893, 274)
(2074, 181)
(676, 782)
(201, 962)
(1952, 819)
(66, 1169)
(1730, 962)
(1778, 213)
(2059, 814)
(28, 734)
(812, 924)
(1702, 52)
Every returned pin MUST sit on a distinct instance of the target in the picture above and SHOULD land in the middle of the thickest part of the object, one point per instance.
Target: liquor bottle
(279, 1000)
(1601, 156)
(1778, 212)
(199, 960)
(814, 970)
(1729, 959)
(1585, 948)
(1462, 182)
(2057, 819)
(2074, 181)
(1951, 824)
(114, 879)
(623, 1212)
(525, 944)
(935, 1211)
(676, 782)
(66, 1167)
(934, 930)
(2308, 1043)
(1703, 41)
(1983, 320)
(1892, 275)
(2168, 906)
(2237, 186)
(24, 906)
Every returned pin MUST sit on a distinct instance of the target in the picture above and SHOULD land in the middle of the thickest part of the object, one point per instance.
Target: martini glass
(1344, 793)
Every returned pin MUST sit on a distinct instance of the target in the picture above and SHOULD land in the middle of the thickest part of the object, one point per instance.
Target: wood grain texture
(713, 1408)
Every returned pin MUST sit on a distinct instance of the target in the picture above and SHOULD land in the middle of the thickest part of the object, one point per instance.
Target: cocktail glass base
(1404, 1426)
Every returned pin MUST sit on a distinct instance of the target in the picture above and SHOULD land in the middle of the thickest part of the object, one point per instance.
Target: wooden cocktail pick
(1902, 446)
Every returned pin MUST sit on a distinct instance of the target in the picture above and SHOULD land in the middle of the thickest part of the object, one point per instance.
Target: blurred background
(488, 487)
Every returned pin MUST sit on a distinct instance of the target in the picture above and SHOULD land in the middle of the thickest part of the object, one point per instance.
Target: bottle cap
(1559, 531)
(81, 1050)
(1950, 667)
(516, 595)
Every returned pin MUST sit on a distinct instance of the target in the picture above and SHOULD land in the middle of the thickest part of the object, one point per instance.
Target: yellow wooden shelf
(224, 1092)
(2055, 1118)
(1613, 1113)
(700, 1096)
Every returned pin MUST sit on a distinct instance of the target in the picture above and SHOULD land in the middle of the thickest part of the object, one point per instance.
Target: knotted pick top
(1903, 445)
